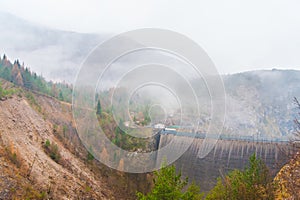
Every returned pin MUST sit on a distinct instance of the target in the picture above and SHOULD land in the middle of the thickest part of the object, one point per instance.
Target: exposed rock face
(23, 132)
(261, 102)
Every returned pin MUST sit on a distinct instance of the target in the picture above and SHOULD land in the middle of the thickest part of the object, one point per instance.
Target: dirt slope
(26, 171)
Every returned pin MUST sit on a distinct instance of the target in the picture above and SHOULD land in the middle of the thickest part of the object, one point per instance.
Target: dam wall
(224, 157)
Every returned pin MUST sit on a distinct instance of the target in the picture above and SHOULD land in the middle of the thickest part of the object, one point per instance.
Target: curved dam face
(226, 156)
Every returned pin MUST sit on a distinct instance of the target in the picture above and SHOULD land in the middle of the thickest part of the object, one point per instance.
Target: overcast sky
(237, 35)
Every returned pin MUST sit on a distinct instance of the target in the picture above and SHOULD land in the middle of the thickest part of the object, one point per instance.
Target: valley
(42, 155)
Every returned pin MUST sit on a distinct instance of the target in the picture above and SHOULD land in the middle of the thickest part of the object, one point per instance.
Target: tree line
(22, 76)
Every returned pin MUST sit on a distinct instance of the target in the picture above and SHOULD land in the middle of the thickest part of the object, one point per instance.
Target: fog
(55, 54)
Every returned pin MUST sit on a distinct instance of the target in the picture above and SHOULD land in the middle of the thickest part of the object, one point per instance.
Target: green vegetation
(90, 155)
(32, 101)
(14, 156)
(65, 129)
(22, 76)
(146, 115)
(52, 150)
(254, 182)
(4, 93)
(99, 109)
(55, 128)
(141, 114)
(123, 139)
(31, 193)
(169, 185)
(119, 134)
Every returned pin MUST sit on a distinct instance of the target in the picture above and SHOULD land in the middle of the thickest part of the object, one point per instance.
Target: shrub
(6, 93)
(47, 143)
(52, 150)
(14, 156)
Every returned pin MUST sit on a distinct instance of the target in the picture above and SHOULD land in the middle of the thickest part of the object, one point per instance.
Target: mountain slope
(24, 132)
(42, 156)
(260, 103)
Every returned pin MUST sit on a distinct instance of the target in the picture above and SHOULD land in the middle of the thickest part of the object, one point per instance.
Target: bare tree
(297, 123)
(289, 174)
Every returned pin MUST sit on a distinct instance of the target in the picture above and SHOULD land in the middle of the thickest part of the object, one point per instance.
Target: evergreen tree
(99, 109)
(22, 76)
(169, 185)
(254, 182)
(6, 73)
(60, 96)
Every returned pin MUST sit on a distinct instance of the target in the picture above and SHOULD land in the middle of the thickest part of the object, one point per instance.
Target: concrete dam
(226, 155)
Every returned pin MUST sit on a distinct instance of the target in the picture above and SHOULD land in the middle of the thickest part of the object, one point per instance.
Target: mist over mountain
(258, 102)
(53, 53)
(261, 103)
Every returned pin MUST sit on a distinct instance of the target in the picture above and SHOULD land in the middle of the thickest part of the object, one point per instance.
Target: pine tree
(99, 109)
(169, 185)
(61, 96)
(254, 182)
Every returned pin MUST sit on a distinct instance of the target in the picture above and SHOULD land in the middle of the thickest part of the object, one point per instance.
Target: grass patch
(13, 156)
(32, 101)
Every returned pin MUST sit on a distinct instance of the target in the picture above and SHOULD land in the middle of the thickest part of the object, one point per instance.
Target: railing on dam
(253, 138)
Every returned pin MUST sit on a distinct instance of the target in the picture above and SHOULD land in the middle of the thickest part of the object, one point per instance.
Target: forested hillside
(21, 75)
